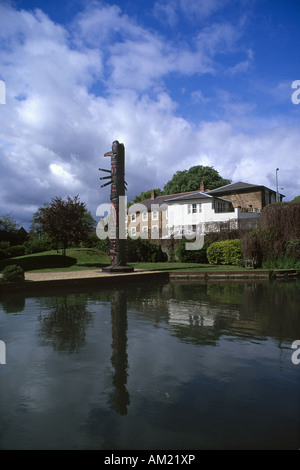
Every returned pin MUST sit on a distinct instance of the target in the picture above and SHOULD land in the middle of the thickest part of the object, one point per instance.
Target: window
(220, 206)
(145, 228)
(155, 215)
(155, 228)
(133, 217)
(194, 208)
(144, 216)
(266, 197)
(133, 231)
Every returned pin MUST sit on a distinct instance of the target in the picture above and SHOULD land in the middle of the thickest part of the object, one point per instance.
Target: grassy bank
(76, 259)
(91, 258)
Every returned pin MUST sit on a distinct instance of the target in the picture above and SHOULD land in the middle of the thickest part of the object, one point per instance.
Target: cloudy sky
(179, 82)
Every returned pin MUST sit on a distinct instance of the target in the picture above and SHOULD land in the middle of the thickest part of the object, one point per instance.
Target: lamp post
(277, 194)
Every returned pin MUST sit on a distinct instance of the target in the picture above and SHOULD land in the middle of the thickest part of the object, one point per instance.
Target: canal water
(161, 366)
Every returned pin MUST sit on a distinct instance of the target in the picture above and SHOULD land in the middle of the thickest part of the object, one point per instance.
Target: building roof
(190, 195)
(240, 186)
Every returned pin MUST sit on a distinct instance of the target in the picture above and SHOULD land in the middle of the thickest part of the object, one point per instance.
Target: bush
(252, 247)
(38, 245)
(145, 251)
(276, 243)
(3, 255)
(191, 256)
(225, 252)
(16, 250)
(12, 273)
(92, 241)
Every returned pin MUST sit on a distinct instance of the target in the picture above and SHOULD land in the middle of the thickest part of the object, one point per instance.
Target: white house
(187, 213)
(201, 212)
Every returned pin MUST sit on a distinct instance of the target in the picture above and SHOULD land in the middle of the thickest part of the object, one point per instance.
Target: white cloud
(71, 92)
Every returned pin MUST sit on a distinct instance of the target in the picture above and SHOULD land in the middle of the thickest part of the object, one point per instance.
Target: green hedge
(191, 256)
(225, 252)
(15, 250)
(12, 273)
(142, 250)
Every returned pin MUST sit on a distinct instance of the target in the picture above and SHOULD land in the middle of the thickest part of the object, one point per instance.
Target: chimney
(153, 194)
(202, 186)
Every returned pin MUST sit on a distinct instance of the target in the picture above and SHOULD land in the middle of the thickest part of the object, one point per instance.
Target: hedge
(191, 256)
(12, 273)
(225, 252)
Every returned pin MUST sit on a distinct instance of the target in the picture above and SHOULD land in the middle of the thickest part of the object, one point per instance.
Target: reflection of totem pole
(118, 187)
(119, 399)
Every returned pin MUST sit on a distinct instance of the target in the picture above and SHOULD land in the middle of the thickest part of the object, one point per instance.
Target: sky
(178, 82)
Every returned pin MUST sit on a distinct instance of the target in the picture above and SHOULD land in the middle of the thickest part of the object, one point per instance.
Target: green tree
(296, 199)
(8, 224)
(146, 195)
(65, 222)
(190, 180)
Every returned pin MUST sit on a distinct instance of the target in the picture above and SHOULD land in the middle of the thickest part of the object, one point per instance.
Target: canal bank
(74, 279)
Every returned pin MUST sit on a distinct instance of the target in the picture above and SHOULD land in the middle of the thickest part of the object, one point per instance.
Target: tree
(8, 224)
(65, 222)
(190, 180)
(146, 195)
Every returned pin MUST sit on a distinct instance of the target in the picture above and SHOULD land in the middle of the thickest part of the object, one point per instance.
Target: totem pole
(118, 188)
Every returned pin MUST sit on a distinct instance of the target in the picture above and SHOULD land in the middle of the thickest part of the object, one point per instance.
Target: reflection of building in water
(197, 313)
(188, 314)
(119, 399)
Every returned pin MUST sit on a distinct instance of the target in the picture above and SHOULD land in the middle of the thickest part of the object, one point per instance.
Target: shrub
(16, 250)
(143, 250)
(225, 252)
(215, 253)
(276, 244)
(252, 247)
(12, 273)
(3, 255)
(191, 256)
(38, 245)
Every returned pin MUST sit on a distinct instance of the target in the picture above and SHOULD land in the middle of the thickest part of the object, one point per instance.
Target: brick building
(248, 197)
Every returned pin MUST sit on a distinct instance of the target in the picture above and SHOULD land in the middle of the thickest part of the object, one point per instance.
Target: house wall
(148, 224)
(208, 219)
(163, 220)
(246, 200)
(251, 199)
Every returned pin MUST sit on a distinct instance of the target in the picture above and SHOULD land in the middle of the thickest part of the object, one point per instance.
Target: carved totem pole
(118, 188)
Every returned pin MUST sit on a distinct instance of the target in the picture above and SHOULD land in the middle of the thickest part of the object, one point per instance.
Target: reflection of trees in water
(65, 322)
(275, 308)
(12, 303)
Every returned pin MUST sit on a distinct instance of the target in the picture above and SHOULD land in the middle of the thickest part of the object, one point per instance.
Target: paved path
(84, 274)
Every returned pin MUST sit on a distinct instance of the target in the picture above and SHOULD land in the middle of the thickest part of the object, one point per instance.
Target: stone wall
(246, 200)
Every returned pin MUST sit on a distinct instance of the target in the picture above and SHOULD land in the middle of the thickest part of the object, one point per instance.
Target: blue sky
(179, 82)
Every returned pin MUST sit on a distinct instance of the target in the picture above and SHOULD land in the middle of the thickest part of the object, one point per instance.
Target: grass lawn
(76, 259)
(90, 258)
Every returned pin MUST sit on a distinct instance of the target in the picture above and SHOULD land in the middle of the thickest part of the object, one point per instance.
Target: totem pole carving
(118, 188)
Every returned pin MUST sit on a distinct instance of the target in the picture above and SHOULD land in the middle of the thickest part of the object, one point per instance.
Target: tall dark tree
(190, 180)
(65, 222)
